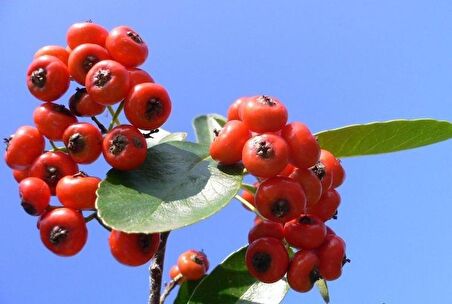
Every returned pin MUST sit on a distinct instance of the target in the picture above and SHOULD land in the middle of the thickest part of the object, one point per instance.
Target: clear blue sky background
(332, 62)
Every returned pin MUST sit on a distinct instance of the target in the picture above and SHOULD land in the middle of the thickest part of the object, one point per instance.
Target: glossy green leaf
(185, 291)
(164, 136)
(205, 125)
(384, 137)
(178, 185)
(249, 188)
(322, 286)
(231, 283)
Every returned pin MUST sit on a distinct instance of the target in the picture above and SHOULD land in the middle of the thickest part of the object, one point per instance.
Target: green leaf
(185, 291)
(176, 136)
(249, 188)
(323, 289)
(384, 137)
(230, 283)
(163, 136)
(205, 125)
(178, 185)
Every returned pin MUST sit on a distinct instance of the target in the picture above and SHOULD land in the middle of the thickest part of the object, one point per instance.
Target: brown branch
(156, 271)
(169, 287)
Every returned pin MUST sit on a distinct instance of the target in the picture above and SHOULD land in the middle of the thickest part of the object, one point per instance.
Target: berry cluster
(191, 265)
(105, 64)
(295, 192)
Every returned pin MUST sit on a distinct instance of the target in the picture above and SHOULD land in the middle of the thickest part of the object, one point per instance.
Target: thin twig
(114, 119)
(112, 112)
(101, 127)
(169, 287)
(91, 217)
(156, 270)
(247, 204)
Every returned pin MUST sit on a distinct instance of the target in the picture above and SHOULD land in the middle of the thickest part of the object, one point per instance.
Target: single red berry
(23, 147)
(55, 51)
(193, 264)
(334, 164)
(267, 259)
(228, 143)
(34, 195)
(53, 166)
(107, 82)
(303, 271)
(305, 232)
(332, 257)
(124, 147)
(266, 229)
(147, 106)
(78, 191)
(52, 119)
(327, 206)
(83, 58)
(265, 155)
(126, 46)
(139, 76)
(287, 171)
(175, 274)
(63, 231)
(83, 142)
(310, 183)
(280, 199)
(86, 32)
(20, 175)
(233, 111)
(133, 249)
(47, 78)
(303, 146)
(81, 104)
(249, 197)
(263, 114)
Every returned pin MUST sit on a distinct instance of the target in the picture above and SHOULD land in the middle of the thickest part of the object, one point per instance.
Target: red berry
(249, 197)
(266, 229)
(280, 199)
(126, 46)
(63, 231)
(287, 171)
(53, 166)
(85, 32)
(332, 256)
(81, 104)
(139, 76)
(267, 259)
(34, 195)
(324, 174)
(228, 144)
(147, 106)
(193, 264)
(107, 82)
(83, 58)
(265, 155)
(55, 51)
(334, 165)
(303, 271)
(327, 206)
(52, 119)
(305, 232)
(310, 183)
(233, 111)
(133, 249)
(20, 175)
(78, 191)
(124, 147)
(23, 148)
(263, 114)
(47, 78)
(174, 274)
(304, 148)
(83, 142)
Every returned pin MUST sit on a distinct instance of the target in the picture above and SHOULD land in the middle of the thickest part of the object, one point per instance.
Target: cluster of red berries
(105, 64)
(191, 265)
(295, 192)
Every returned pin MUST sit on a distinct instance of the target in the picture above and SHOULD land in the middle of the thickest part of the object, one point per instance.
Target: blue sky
(332, 63)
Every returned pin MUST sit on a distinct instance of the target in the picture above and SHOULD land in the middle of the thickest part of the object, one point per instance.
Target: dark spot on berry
(58, 235)
(305, 220)
(39, 77)
(102, 77)
(76, 143)
(216, 132)
(154, 108)
(261, 261)
(314, 275)
(135, 37)
(264, 149)
(137, 142)
(119, 143)
(266, 100)
(280, 208)
(61, 109)
(52, 176)
(75, 100)
(89, 62)
(29, 208)
(144, 241)
(319, 170)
